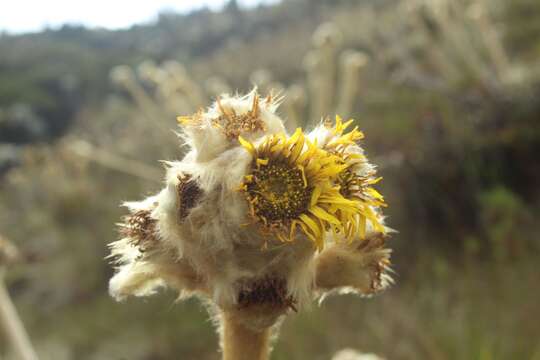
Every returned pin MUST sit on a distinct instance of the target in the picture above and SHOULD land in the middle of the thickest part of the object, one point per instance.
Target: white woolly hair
(196, 235)
(208, 141)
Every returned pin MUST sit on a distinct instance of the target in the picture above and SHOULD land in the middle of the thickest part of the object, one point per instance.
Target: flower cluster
(255, 220)
(294, 183)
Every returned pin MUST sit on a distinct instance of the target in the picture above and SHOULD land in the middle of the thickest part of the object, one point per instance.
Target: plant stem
(13, 326)
(241, 343)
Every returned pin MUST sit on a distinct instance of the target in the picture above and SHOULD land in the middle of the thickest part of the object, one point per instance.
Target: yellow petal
(373, 218)
(339, 125)
(183, 120)
(295, 136)
(374, 181)
(293, 229)
(306, 231)
(374, 193)
(262, 161)
(311, 149)
(320, 213)
(315, 195)
(311, 224)
(362, 228)
(281, 237)
(304, 179)
(247, 145)
(297, 148)
(347, 124)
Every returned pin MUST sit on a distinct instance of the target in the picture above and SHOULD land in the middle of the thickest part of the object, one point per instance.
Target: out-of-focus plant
(160, 92)
(440, 45)
(10, 321)
(332, 85)
(467, 99)
(333, 75)
(506, 221)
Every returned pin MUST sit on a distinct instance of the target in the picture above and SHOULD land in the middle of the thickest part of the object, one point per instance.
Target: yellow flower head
(293, 183)
(356, 179)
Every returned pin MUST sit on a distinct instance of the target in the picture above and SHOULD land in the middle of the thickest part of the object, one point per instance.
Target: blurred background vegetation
(447, 92)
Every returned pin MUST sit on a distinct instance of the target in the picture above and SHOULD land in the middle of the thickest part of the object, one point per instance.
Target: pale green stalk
(12, 325)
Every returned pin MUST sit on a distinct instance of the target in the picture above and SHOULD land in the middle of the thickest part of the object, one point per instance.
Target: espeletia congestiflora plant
(257, 222)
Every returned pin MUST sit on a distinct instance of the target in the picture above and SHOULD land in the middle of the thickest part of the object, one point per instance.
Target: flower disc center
(279, 192)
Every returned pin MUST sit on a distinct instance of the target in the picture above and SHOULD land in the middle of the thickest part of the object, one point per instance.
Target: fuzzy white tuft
(205, 134)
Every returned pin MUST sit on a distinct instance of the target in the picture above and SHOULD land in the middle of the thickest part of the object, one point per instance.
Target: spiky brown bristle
(189, 193)
(269, 291)
(140, 229)
(234, 125)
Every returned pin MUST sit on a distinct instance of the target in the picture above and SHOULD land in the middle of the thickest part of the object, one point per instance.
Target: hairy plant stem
(241, 343)
(13, 326)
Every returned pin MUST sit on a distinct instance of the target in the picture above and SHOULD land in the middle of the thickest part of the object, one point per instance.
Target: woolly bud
(122, 75)
(351, 64)
(295, 106)
(213, 131)
(147, 70)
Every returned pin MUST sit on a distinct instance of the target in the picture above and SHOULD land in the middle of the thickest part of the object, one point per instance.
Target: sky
(19, 16)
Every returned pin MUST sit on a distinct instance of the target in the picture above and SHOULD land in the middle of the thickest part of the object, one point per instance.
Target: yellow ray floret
(341, 140)
(292, 183)
(356, 180)
(191, 120)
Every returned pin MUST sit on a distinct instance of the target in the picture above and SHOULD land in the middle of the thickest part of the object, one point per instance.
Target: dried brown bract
(188, 193)
(140, 228)
(269, 291)
(382, 265)
(233, 125)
